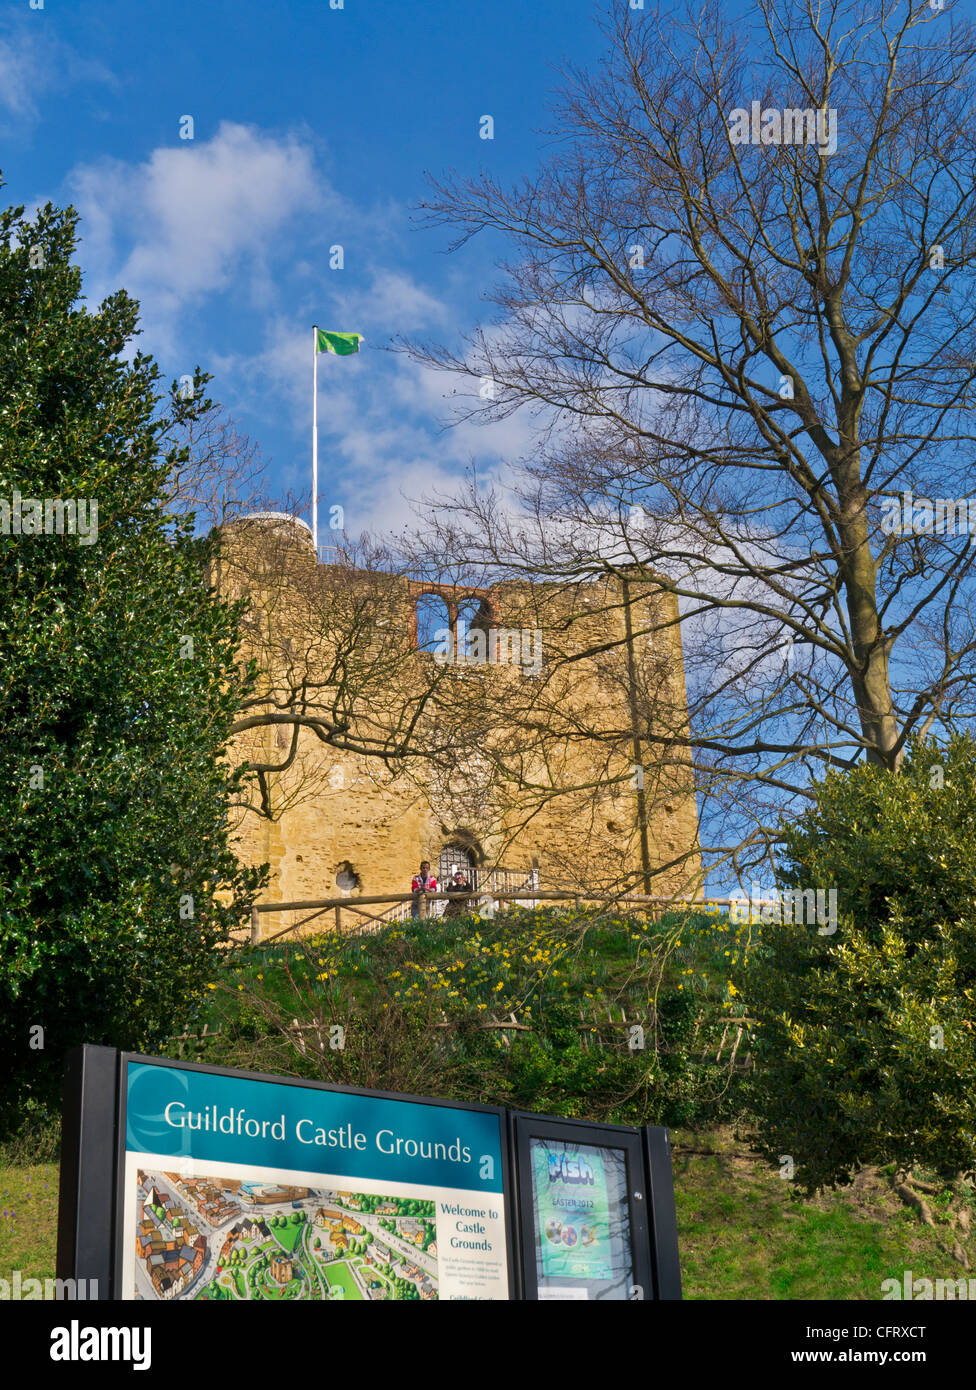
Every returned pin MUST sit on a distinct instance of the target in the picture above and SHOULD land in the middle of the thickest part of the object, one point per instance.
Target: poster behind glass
(582, 1220)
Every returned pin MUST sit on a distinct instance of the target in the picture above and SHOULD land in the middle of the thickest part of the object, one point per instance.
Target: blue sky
(312, 127)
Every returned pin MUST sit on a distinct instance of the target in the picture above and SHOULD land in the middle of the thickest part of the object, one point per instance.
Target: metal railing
(332, 555)
(505, 880)
(485, 885)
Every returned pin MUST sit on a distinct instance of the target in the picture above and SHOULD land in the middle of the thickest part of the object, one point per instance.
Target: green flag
(341, 343)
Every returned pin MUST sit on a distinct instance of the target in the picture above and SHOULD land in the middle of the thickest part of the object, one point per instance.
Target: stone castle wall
(567, 804)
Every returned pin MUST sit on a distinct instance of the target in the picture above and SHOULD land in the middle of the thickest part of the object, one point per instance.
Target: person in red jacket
(424, 882)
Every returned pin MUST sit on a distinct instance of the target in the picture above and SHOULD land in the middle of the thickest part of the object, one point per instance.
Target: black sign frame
(91, 1200)
(87, 1185)
(663, 1216)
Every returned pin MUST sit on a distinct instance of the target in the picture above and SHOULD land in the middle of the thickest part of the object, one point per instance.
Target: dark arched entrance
(453, 857)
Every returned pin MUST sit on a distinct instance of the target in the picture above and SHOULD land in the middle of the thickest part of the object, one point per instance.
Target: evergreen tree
(120, 679)
(865, 1049)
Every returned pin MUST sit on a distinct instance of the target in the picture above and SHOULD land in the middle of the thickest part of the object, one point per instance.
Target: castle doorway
(454, 857)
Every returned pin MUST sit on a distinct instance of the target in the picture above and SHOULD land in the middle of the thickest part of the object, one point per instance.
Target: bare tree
(740, 304)
(329, 645)
(216, 470)
(547, 713)
(500, 741)
(551, 742)
(333, 662)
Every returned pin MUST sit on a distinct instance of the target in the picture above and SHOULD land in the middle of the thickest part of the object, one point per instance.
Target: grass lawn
(289, 1236)
(742, 1235)
(28, 1220)
(340, 1274)
(278, 1294)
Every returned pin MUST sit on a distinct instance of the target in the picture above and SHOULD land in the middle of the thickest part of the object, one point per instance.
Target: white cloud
(35, 62)
(382, 447)
(392, 297)
(237, 229)
(20, 77)
(197, 219)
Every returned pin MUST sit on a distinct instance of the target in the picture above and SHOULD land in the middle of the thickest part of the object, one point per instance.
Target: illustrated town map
(209, 1237)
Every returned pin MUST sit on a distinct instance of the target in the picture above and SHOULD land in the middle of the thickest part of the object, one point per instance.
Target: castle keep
(523, 731)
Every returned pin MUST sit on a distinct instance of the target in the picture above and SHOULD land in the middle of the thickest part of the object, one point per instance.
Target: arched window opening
(435, 628)
(454, 857)
(474, 622)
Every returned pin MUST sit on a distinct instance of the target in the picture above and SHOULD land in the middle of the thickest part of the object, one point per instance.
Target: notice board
(188, 1182)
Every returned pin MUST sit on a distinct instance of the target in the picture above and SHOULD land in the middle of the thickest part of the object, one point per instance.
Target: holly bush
(866, 1038)
(119, 687)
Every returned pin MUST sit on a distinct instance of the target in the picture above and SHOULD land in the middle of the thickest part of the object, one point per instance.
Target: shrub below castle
(602, 1017)
(867, 1037)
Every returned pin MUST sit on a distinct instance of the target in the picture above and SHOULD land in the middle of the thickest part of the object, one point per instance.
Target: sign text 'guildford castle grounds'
(192, 1182)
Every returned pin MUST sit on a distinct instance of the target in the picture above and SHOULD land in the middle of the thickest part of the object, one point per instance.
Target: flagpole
(315, 440)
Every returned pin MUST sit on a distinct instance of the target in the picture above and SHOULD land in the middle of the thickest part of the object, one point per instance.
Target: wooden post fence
(317, 908)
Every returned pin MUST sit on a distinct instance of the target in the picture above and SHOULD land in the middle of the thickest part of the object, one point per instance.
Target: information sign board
(188, 1182)
(240, 1188)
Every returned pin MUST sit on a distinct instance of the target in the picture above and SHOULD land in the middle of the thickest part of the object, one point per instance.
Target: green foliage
(420, 1004)
(866, 1049)
(34, 1137)
(120, 683)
